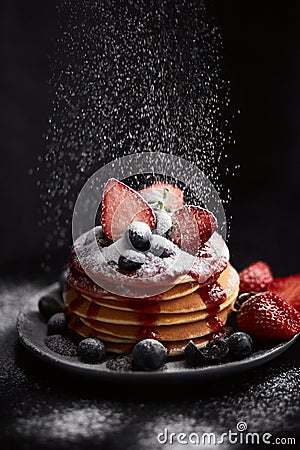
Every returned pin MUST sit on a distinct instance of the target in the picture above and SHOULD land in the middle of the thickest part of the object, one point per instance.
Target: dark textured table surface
(43, 408)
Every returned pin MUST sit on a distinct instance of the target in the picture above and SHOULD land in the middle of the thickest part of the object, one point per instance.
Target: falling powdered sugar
(131, 77)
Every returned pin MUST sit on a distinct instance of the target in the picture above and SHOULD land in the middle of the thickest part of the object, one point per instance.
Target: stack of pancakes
(187, 311)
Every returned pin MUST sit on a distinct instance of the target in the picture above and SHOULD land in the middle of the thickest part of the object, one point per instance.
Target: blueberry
(193, 356)
(163, 222)
(139, 235)
(49, 305)
(91, 350)
(149, 354)
(131, 260)
(57, 324)
(240, 345)
(167, 252)
(215, 350)
(162, 247)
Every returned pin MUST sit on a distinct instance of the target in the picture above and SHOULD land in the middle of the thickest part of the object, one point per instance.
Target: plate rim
(177, 374)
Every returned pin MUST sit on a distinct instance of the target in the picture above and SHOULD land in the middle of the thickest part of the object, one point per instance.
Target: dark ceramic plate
(31, 331)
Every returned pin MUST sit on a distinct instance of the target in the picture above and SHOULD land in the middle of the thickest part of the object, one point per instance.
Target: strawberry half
(192, 227)
(172, 196)
(255, 278)
(288, 288)
(267, 316)
(122, 205)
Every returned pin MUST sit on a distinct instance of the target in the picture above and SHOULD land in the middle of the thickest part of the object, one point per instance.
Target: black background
(261, 58)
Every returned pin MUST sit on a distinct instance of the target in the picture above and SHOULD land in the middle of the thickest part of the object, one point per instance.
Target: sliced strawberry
(122, 205)
(268, 316)
(172, 196)
(255, 278)
(192, 227)
(288, 288)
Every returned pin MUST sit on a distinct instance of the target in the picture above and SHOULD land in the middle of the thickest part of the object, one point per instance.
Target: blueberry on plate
(91, 350)
(49, 305)
(57, 324)
(215, 350)
(131, 260)
(139, 235)
(193, 356)
(149, 354)
(240, 345)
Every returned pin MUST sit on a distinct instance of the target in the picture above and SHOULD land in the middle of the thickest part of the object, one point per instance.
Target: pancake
(92, 311)
(121, 322)
(187, 311)
(88, 288)
(76, 324)
(156, 274)
(174, 347)
(132, 311)
(173, 332)
(188, 302)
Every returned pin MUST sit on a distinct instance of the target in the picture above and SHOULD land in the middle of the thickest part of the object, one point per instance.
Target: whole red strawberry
(267, 316)
(288, 288)
(255, 278)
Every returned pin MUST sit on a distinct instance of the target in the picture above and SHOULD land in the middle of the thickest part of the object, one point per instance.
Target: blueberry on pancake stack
(155, 268)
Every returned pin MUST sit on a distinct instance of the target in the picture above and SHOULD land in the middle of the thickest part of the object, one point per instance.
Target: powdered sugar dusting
(101, 265)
